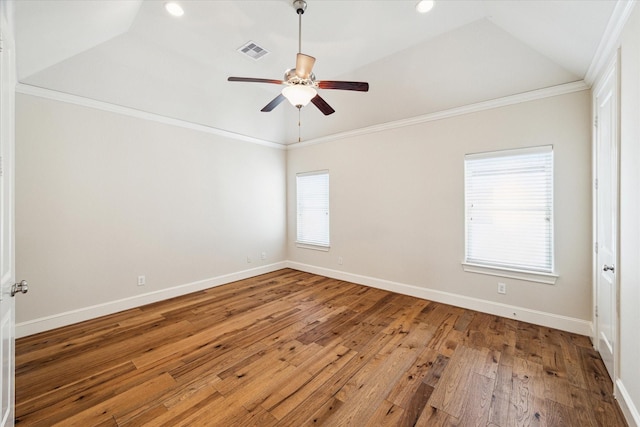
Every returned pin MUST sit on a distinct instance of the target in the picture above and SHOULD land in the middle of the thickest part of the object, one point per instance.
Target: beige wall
(397, 202)
(629, 271)
(102, 198)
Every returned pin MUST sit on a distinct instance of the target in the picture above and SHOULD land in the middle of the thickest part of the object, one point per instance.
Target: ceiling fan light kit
(299, 95)
(301, 84)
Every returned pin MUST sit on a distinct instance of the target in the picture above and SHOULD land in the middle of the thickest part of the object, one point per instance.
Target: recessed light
(174, 8)
(425, 6)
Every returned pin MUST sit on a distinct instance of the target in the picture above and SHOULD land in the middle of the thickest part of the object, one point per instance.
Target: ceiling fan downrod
(300, 6)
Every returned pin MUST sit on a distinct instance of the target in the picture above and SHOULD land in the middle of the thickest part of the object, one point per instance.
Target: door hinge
(595, 247)
(595, 121)
(1, 167)
(596, 311)
(595, 183)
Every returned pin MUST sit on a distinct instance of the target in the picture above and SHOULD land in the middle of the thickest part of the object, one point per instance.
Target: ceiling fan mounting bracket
(300, 6)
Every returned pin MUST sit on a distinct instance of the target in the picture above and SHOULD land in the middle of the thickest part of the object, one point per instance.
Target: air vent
(253, 51)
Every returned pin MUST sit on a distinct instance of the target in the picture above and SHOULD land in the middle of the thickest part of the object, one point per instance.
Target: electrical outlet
(142, 280)
(340, 260)
(502, 288)
(249, 259)
(263, 256)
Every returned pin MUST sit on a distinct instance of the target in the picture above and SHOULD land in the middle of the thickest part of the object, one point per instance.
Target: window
(312, 192)
(509, 209)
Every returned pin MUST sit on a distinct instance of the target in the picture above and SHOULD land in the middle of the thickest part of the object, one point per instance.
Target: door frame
(613, 66)
(7, 302)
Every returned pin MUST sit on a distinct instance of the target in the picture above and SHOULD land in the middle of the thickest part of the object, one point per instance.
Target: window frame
(547, 276)
(314, 244)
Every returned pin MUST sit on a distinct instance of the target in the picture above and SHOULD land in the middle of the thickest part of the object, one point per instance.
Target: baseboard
(631, 414)
(42, 324)
(564, 323)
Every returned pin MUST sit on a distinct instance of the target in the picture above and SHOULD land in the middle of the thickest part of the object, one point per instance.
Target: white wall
(628, 382)
(102, 198)
(397, 208)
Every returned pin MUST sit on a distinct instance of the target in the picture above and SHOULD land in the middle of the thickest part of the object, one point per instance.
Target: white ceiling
(134, 54)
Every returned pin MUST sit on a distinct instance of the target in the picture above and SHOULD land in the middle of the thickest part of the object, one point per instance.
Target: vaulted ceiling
(132, 53)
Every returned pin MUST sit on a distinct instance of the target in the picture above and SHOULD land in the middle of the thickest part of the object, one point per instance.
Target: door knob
(19, 287)
(610, 268)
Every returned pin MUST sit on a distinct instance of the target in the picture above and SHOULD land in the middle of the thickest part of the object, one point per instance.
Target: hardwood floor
(293, 349)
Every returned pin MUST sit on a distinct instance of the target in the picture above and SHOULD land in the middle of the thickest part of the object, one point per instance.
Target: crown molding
(562, 89)
(132, 112)
(610, 39)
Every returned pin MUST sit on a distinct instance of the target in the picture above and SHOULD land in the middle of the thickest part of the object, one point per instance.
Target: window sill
(313, 247)
(530, 276)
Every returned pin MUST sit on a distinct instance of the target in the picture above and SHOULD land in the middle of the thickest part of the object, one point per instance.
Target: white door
(7, 250)
(606, 150)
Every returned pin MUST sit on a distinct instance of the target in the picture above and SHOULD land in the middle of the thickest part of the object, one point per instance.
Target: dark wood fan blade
(304, 65)
(273, 104)
(254, 80)
(329, 84)
(322, 105)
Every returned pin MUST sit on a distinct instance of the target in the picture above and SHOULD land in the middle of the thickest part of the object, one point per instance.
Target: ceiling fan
(301, 83)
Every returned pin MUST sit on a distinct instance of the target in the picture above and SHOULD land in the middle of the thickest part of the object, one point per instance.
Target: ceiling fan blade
(304, 65)
(322, 105)
(329, 84)
(274, 103)
(254, 80)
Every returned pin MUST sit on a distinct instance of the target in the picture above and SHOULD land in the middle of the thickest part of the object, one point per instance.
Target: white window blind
(509, 209)
(312, 192)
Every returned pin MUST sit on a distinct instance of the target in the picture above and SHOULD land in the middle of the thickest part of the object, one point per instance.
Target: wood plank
(311, 397)
(559, 415)
(451, 393)
(322, 365)
(414, 408)
(366, 391)
(583, 410)
(131, 400)
(435, 371)
(571, 355)
(432, 417)
(501, 399)
(556, 385)
(309, 393)
(606, 412)
(596, 375)
(319, 417)
(405, 389)
(528, 406)
(479, 394)
(177, 410)
(386, 414)
(68, 394)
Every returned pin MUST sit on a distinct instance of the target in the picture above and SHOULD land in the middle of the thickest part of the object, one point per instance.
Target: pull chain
(299, 138)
